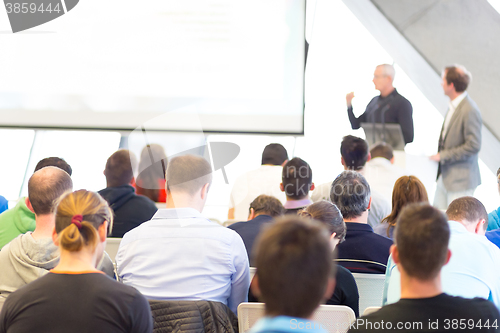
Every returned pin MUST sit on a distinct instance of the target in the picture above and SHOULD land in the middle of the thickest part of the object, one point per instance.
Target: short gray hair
(350, 192)
(188, 173)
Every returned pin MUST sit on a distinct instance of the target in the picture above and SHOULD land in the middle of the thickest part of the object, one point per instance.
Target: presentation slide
(190, 65)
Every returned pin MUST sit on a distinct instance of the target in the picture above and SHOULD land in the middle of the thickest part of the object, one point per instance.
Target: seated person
(151, 178)
(294, 275)
(21, 219)
(494, 216)
(130, 209)
(181, 255)
(346, 290)
(408, 189)
(75, 296)
(263, 210)
(363, 251)
(296, 182)
(423, 306)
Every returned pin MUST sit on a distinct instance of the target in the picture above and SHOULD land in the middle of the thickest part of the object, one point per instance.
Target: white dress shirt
(451, 110)
(180, 255)
(381, 174)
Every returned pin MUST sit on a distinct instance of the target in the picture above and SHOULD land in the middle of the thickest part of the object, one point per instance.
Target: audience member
(151, 178)
(381, 173)
(494, 216)
(179, 254)
(263, 210)
(4, 204)
(346, 290)
(473, 268)
(296, 182)
(130, 209)
(294, 274)
(355, 154)
(424, 307)
(74, 296)
(264, 180)
(408, 189)
(363, 251)
(21, 218)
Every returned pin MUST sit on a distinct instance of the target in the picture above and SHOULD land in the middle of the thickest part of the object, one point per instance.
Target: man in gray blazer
(459, 141)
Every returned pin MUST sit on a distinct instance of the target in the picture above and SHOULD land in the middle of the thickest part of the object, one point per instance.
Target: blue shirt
(494, 236)
(180, 255)
(471, 272)
(286, 324)
(494, 219)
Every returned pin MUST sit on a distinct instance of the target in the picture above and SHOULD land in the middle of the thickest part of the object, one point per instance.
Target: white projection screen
(181, 65)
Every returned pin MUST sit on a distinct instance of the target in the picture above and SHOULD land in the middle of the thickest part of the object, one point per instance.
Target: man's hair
(350, 192)
(382, 149)
(46, 186)
(188, 173)
(267, 205)
(328, 214)
(467, 210)
(55, 162)
(274, 154)
(388, 70)
(459, 76)
(294, 261)
(421, 236)
(120, 168)
(354, 152)
(296, 178)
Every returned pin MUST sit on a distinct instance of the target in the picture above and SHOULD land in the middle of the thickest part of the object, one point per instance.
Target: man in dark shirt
(422, 235)
(129, 208)
(395, 108)
(263, 210)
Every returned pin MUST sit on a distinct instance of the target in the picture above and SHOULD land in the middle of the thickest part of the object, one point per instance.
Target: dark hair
(421, 236)
(296, 178)
(152, 169)
(407, 189)
(354, 152)
(294, 261)
(350, 192)
(382, 149)
(328, 214)
(120, 168)
(188, 173)
(95, 211)
(55, 162)
(467, 210)
(274, 154)
(459, 76)
(268, 205)
(46, 186)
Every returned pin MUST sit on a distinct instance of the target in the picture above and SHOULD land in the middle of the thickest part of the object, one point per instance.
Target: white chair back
(370, 289)
(252, 273)
(333, 318)
(371, 309)
(112, 245)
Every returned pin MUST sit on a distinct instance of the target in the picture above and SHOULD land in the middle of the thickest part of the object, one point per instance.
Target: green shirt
(16, 221)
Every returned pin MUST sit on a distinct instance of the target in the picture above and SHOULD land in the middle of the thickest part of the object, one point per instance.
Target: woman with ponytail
(75, 296)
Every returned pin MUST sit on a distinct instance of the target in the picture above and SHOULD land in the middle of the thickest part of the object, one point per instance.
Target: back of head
(328, 214)
(150, 154)
(188, 174)
(407, 190)
(93, 211)
(56, 162)
(382, 149)
(267, 205)
(354, 152)
(296, 178)
(46, 186)
(350, 192)
(274, 154)
(459, 76)
(421, 236)
(467, 210)
(294, 261)
(120, 168)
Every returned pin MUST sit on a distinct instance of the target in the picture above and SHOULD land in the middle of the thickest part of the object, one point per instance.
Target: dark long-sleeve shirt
(399, 112)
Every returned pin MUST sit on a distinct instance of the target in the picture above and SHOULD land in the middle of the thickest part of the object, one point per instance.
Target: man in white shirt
(179, 254)
(460, 141)
(264, 180)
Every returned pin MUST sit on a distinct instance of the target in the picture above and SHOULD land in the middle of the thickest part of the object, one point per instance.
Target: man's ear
(395, 254)
(369, 157)
(312, 187)
(102, 231)
(392, 160)
(369, 204)
(254, 286)
(282, 188)
(251, 216)
(55, 239)
(448, 256)
(479, 229)
(204, 190)
(342, 161)
(28, 204)
(330, 288)
(283, 164)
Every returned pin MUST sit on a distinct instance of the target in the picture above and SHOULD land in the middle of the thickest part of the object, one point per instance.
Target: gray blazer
(460, 147)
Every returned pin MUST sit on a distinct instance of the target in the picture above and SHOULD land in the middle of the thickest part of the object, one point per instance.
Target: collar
(458, 99)
(379, 161)
(294, 204)
(177, 213)
(355, 226)
(393, 93)
(457, 227)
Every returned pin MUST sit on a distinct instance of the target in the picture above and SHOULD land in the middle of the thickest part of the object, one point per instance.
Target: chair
(112, 245)
(333, 318)
(370, 289)
(371, 309)
(252, 273)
